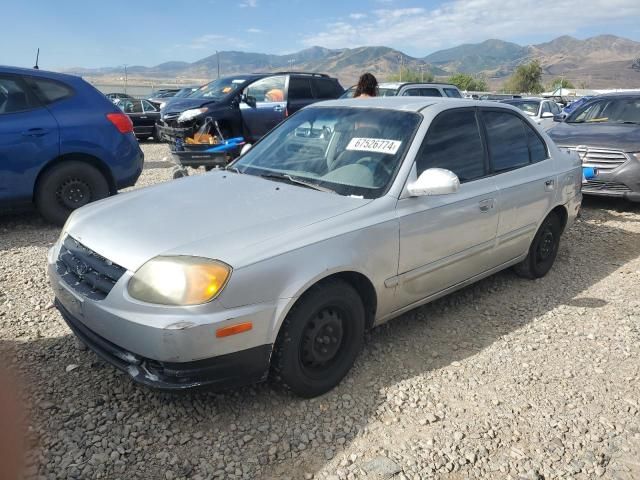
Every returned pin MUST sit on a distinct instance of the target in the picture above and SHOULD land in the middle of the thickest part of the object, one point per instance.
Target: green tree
(526, 79)
(467, 82)
(560, 82)
(411, 75)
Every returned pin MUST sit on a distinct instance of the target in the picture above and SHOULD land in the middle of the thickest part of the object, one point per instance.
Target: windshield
(608, 110)
(530, 108)
(185, 92)
(351, 151)
(219, 88)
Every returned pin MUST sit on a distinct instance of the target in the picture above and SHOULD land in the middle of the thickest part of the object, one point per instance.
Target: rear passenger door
(447, 239)
(524, 174)
(300, 94)
(29, 138)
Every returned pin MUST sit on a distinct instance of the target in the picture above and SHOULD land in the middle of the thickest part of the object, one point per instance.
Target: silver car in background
(346, 215)
(541, 111)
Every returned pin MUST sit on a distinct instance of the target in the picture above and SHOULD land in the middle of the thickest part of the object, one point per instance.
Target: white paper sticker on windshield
(377, 145)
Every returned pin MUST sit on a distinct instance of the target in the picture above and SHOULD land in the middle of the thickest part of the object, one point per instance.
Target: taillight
(121, 122)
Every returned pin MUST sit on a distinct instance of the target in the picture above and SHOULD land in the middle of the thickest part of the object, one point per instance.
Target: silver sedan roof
(408, 104)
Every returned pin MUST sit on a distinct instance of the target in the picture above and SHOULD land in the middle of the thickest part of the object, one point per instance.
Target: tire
(67, 186)
(320, 339)
(543, 250)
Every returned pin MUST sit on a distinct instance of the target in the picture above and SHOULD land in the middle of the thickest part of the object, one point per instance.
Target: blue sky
(143, 32)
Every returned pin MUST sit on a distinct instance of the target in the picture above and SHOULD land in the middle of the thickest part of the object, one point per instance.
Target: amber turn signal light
(234, 329)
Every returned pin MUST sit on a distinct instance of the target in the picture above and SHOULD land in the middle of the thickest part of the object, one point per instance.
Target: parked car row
(346, 215)
(342, 217)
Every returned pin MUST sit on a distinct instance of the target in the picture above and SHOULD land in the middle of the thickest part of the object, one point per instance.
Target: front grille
(603, 160)
(86, 272)
(600, 185)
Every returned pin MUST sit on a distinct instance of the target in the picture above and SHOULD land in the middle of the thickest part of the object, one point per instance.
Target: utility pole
(422, 73)
(125, 78)
(401, 65)
(218, 62)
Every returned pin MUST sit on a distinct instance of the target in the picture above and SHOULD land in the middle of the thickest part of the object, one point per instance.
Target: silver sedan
(346, 215)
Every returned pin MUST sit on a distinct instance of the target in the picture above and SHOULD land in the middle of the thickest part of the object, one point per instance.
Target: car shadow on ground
(295, 435)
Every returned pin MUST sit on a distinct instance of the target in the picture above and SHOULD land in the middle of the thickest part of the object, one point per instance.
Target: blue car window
(14, 96)
(49, 91)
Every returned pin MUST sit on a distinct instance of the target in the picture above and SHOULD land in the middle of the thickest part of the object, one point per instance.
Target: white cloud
(459, 21)
(249, 3)
(254, 30)
(358, 16)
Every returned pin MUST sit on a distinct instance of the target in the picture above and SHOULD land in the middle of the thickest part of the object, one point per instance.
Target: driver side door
(269, 108)
(447, 239)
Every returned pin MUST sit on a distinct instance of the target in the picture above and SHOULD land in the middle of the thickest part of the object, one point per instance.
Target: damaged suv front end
(217, 100)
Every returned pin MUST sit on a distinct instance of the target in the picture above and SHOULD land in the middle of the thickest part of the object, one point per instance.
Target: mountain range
(598, 62)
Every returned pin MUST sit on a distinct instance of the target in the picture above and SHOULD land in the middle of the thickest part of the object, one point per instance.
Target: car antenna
(36, 67)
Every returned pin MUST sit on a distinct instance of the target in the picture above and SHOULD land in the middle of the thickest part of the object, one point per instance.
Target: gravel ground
(508, 378)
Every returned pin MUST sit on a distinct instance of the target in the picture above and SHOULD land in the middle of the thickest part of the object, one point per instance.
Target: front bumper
(167, 347)
(171, 134)
(230, 370)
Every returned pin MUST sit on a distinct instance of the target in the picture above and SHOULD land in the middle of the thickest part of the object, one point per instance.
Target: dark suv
(246, 105)
(63, 144)
(605, 132)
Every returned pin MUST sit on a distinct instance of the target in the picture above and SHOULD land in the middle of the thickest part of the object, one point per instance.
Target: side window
(555, 109)
(537, 147)
(452, 93)
(148, 106)
(300, 88)
(49, 91)
(430, 92)
(412, 92)
(267, 90)
(453, 142)
(546, 107)
(14, 96)
(507, 140)
(326, 88)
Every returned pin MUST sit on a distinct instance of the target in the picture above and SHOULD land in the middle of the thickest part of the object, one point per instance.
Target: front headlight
(179, 280)
(191, 114)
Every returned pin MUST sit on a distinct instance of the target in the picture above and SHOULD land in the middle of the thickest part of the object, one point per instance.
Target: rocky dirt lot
(508, 378)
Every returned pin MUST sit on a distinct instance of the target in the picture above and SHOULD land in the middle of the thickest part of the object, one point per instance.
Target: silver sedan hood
(220, 215)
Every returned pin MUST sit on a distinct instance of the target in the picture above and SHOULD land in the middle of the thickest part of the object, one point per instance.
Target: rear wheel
(543, 249)
(68, 186)
(320, 339)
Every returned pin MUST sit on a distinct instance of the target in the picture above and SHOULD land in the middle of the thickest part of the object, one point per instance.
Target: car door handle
(486, 205)
(143, 116)
(35, 132)
(278, 108)
(548, 184)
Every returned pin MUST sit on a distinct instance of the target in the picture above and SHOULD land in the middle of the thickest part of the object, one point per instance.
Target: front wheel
(543, 249)
(320, 339)
(67, 186)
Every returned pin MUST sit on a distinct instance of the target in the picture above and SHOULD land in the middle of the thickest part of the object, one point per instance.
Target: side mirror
(546, 115)
(249, 100)
(559, 117)
(245, 148)
(434, 181)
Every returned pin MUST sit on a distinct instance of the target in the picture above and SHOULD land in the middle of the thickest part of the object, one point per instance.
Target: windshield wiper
(232, 169)
(295, 181)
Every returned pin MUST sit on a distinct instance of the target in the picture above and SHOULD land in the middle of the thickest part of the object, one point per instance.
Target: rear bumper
(231, 370)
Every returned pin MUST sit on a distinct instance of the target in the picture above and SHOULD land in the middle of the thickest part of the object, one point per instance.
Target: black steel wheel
(543, 249)
(320, 339)
(67, 186)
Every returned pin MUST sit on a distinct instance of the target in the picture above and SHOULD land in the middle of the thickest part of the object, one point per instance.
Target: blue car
(63, 144)
(575, 104)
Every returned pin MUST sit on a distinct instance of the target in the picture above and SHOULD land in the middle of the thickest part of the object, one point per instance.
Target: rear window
(422, 92)
(49, 91)
(452, 92)
(326, 88)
